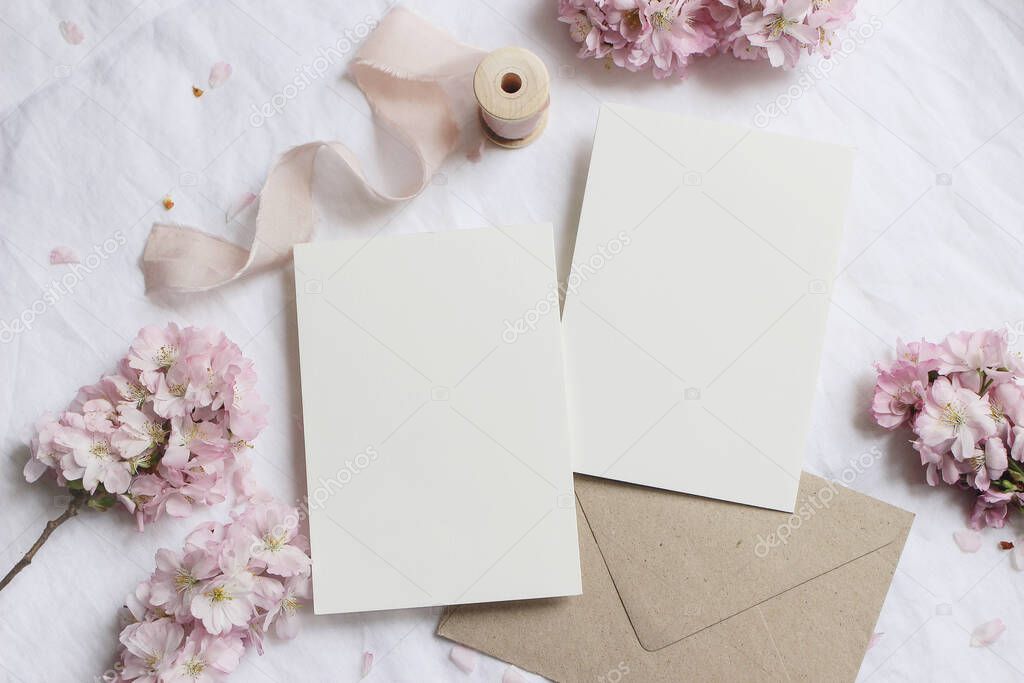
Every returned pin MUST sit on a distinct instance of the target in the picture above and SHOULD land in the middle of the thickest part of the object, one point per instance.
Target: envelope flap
(682, 563)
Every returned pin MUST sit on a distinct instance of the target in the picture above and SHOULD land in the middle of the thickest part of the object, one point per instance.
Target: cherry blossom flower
(178, 578)
(206, 659)
(674, 33)
(178, 497)
(224, 603)
(154, 350)
(162, 433)
(781, 30)
(45, 453)
(141, 432)
(190, 437)
(585, 27)
(1008, 402)
(964, 401)
(150, 648)
(988, 464)
(939, 464)
(172, 393)
(921, 353)
(205, 605)
(954, 416)
(627, 21)
(828, 17)
(977, 351)
(664, 36)
(990, 509)
(95, 460)
(297, 591)
(275, 541)
(899, 390)
(125, 386)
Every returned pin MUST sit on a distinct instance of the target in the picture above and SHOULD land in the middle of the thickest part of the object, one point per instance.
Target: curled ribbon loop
(415, 78)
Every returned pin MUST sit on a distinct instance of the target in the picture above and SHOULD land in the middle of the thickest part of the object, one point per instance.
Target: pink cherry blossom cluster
(964, 401)
(160, 434)
(204, 606)
(664, 35)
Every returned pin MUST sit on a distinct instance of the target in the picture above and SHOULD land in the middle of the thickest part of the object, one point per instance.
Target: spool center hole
(511, 83)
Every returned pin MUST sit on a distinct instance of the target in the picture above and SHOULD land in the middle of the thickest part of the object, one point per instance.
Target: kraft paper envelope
(686, 588)
(698, 293)
(437, 455)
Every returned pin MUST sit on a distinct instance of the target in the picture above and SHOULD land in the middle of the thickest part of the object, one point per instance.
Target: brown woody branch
(51, 526)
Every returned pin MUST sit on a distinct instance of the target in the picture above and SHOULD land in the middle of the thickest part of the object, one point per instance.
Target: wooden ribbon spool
(513, 90)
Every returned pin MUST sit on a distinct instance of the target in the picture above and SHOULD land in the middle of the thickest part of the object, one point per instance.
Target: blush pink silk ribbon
(417, 81)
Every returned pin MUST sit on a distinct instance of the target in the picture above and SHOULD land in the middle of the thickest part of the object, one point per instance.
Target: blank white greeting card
(433, 398)
(696, 305)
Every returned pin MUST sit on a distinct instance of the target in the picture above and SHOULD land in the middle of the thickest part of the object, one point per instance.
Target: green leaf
(1007, 485)
(104, 502)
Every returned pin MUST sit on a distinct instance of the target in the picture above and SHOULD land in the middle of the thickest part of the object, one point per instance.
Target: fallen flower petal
(367, 663)
(875, 637)
(987, 633)
(62, 254)
(968, 540)
(464, 658)
(71, 33)
(1017, 557)
(219, 72)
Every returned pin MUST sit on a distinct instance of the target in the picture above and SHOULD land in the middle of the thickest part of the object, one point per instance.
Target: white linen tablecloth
(92, 136)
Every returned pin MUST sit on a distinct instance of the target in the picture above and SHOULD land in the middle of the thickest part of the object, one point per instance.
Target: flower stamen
(166, 355)
(778, 26)
(273, 543)
(954, 415)
(219, 594)
(662, 20)
(184, 581)
(194, 668)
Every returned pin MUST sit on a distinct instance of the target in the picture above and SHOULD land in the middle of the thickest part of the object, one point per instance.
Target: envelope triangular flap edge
(683, 563)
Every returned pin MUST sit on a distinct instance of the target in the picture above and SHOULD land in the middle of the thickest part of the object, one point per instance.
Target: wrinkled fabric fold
(417, 81)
